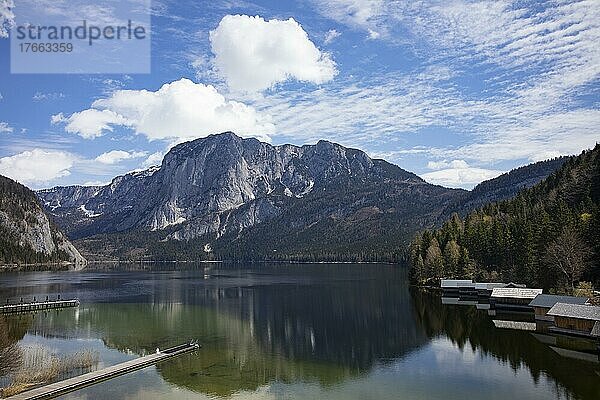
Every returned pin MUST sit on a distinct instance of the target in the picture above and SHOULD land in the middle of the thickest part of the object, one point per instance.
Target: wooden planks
(38, 306)
(69, 385)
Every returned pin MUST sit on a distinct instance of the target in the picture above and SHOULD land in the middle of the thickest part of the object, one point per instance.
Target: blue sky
(456, 91)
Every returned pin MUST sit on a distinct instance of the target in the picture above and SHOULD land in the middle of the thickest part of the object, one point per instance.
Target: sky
(456, 91)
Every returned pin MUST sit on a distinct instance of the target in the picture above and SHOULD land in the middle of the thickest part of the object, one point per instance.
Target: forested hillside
(547, 236)
(26, 234)
(505, 186)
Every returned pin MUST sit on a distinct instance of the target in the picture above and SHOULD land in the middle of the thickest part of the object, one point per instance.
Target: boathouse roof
(455, 283)
(575, 311)
(549, 300)
(516, 293)
(489, 285)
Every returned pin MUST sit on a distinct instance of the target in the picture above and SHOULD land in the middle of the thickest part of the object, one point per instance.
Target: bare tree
(569, 254)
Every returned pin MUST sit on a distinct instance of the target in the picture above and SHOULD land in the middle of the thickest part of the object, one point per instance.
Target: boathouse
(513, 298)
(455, 286)
(542, 303)
(575, 319)
(466, 287)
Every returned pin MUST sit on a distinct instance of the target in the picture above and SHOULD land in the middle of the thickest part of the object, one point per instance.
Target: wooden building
(455, 286)
(542, 303)
(513, 298)
(468, 288)
(575, 319)
(484, 289)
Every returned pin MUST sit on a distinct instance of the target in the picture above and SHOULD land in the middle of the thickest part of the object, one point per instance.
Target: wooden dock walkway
(69, 385)
(37, 306)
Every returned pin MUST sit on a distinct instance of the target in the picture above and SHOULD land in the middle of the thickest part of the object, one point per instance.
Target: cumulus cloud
(7, 17)
(153, 159)
(5, 128)
(37, 166)
(180, 110)
(457, 173)
(90, 123)
(253, 54)
(116, 156)
(455, 164)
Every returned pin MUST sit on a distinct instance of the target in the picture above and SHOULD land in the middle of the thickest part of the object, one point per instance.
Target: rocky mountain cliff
(241, 198)
(26, 233)
(218, 188)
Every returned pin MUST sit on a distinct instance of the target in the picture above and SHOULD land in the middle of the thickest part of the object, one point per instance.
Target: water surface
(325, 331)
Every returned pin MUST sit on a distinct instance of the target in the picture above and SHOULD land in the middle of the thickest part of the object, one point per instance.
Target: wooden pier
(37, 306)
(69, 385)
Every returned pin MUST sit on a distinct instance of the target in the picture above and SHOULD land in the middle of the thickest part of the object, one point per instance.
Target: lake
(302, 331)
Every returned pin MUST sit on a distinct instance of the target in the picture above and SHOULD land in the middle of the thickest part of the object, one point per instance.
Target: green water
(291, 332)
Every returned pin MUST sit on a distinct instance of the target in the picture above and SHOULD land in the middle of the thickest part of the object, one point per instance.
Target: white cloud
(116, 156)
(39, 96)
(180, 110)
(252, 54)
(90, 123)
(455, 164)
(7, 17)
(153, 159)
(358, 112)
(37, 166)
(359, 14)
(373, 34)
(457, 173)
(541, 61)
(539, 138)
(331, 35)
(5, 128)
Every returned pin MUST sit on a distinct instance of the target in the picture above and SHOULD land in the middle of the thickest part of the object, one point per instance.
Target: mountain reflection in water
(269, 325)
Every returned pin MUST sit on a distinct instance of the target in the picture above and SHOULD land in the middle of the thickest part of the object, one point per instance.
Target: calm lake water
(292, 332)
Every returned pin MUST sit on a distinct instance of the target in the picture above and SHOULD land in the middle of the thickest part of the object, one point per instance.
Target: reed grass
(38, 366)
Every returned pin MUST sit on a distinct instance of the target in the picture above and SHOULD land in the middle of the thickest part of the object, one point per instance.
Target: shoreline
(66, 266)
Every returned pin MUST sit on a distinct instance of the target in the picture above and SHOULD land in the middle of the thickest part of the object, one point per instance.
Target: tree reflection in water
(325, 324)
(467, 326)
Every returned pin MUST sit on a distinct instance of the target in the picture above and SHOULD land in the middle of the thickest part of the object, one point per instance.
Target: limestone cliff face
(244, 197)
(215, 185)
(27, 235)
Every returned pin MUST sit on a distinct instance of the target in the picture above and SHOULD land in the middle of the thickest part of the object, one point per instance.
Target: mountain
(506, 186)
(547, 236)
(26, 233)
(253, 199)
(227, 197)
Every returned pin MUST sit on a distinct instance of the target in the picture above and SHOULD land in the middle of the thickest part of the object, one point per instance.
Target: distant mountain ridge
(241, 198)
(26, 233)
(509, 184)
